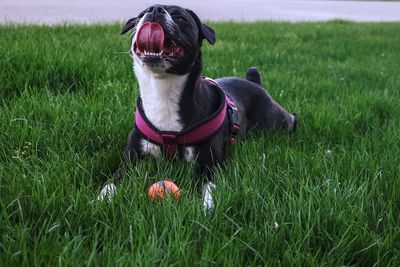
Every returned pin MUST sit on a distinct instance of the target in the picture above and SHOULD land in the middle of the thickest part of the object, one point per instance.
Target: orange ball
(162, 189)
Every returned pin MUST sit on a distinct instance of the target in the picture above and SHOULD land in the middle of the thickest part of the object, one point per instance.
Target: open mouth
(152, 43)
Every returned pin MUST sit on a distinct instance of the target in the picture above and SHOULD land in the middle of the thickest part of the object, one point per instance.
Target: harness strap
(232, 112)
(233, 120)
(198, 133)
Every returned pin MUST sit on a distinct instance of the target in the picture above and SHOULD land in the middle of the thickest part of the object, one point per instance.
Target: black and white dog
(175, 100)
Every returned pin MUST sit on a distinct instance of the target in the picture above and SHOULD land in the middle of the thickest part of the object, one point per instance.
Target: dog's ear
(206, 32)
(129, 25)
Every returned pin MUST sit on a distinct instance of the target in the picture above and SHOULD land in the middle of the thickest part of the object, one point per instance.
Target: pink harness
(196, 134)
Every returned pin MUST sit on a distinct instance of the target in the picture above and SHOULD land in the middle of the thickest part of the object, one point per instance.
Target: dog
(179, 112)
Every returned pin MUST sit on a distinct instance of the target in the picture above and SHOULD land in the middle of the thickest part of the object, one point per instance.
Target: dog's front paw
(208, 202)
(107, 193)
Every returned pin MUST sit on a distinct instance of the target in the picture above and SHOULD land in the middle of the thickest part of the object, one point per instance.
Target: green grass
(327, 195)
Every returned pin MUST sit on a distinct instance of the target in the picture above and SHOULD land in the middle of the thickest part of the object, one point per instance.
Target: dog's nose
(155, 11)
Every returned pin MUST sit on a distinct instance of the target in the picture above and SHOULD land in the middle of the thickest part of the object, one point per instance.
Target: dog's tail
(253, 75)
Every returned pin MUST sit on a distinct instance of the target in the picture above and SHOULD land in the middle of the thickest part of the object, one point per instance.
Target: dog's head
(167, 38)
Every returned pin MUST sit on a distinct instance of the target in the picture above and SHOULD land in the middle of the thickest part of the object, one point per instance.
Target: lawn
(328, 194)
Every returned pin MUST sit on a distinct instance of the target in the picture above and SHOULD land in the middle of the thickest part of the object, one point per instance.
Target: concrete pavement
(92, 11)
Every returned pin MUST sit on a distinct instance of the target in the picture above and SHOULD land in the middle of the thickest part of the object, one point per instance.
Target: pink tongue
(150, 37)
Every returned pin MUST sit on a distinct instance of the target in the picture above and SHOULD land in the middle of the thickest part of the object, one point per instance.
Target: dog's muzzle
(152, 42)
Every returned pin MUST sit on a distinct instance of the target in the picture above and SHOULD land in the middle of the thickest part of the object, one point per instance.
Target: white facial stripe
(168, 17)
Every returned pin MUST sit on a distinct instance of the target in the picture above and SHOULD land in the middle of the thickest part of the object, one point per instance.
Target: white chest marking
(160, 93)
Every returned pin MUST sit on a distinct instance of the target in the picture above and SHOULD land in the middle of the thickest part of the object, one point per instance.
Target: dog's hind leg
(255, 104)
(269, 114)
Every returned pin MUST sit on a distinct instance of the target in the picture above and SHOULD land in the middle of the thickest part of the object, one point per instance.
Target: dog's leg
(132, 155)
(208, 160)
(109, 190)
(266, 113)
(263, 110)
(208, 201)
(274, 116)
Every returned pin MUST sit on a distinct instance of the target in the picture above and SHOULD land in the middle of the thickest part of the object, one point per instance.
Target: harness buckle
(234, 124)
(169, 139)
(169, 144)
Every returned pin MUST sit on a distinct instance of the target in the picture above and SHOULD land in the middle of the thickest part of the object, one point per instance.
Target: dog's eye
(181, 19)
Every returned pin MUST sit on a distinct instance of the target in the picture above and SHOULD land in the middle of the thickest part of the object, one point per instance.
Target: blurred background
(95, 11)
